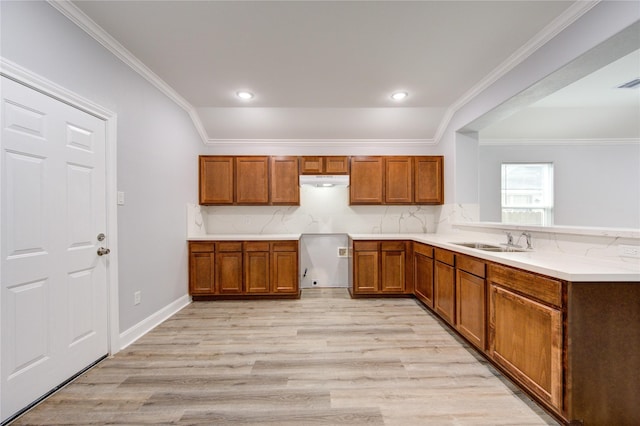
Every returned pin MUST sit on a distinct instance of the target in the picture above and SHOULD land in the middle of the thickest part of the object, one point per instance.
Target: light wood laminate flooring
(323, 359)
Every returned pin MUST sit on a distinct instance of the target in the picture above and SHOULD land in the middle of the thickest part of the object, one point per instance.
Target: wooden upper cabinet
(252, 180)
(428, 180)
(331, 165)
(336, 165)
(367, 174)
(398, 180)
(285, 188)
(216, 179)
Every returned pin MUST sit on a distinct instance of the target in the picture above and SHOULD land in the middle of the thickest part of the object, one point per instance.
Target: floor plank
(323, 359)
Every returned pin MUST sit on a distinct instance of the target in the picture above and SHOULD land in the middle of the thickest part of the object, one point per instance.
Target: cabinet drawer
(471, 265)
(201, 247)
(228, 246)
(445, 256)
(392, 245)
(284, 246)
(423, 249)
(365, 245)
(256, 246)
(542, 288)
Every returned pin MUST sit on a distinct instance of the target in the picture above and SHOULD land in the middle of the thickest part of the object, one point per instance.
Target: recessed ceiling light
(398, 96)
(243, 94)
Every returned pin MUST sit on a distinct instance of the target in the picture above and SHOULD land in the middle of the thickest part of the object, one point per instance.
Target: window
(527, 193)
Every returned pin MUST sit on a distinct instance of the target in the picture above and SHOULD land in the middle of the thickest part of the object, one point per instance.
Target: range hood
(324, 180)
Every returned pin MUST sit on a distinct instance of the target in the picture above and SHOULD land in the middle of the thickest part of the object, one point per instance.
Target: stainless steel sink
(491, 247)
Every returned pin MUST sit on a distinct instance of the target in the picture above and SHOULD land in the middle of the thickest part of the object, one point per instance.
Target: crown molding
(568, 17)
(323, 143)
(78, 17)
(559, 142)
(74, 14)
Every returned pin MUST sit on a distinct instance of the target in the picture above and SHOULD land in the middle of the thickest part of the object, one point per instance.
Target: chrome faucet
(527, 236)
(509, 239)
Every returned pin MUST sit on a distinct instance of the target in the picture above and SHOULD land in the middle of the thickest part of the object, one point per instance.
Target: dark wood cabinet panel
(429, 180)
(336, 165)
(366, 271)
(240, 269)
(229, 272)
(284, 271)
(444, 287)
(252, 180)
(366, 182)
(471, 307)
(327, 165)
(216, 180)
(526, 340)
(201, 266)
(256, 271)
(398, 180)
(380, 267)
(393, 271)
(423, 273)
(285, 188)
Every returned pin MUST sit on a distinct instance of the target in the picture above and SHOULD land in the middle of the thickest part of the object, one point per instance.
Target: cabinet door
(526, 339)
(252, 180)
(423, 277)
(285, 187)
(365, 185)
(256, 271)
(216, 180)
(393, 264)
(284, 272)
(428, 180)
(398, 177)
(336, 165)
(229, 272)
(201, 268)
(471, 307)
(311, 165)
(444, 291)
(366, 275)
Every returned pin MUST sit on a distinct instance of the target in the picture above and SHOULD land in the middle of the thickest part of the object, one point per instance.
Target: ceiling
(326, 69)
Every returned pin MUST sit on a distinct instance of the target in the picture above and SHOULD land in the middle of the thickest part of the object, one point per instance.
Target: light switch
(120, 198)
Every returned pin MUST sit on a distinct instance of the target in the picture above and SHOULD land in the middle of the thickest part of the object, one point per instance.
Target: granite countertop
(569, 267)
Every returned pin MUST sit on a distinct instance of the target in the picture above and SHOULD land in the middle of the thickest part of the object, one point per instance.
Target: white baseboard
(152, 321)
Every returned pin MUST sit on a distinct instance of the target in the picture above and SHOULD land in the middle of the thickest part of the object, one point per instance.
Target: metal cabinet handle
(102, 251)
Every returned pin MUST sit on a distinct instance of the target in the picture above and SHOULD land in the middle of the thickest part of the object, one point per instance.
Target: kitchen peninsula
(561, 326)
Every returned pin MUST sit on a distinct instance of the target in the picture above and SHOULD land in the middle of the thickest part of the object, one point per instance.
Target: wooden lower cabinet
(444, 285)
(201, 268)
(526, 332)
(239, 269)
(229, 268)
(380, 267)
(256, 267)
(284, 269)
(366, 269)
(471, 300)
(423, 273)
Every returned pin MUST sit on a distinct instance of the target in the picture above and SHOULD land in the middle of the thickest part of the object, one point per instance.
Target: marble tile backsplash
(321, 210)
(327, 210)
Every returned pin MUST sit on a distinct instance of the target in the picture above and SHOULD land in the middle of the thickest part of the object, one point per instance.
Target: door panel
(54, 289)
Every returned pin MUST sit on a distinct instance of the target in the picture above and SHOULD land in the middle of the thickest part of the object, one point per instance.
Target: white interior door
(54, 288)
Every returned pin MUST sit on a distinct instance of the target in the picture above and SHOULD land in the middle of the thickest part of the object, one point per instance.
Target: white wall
(157, 149)
(594, 185)
(603, 21)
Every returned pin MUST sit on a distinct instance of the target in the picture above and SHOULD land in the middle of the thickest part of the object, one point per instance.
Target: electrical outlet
(137, 296)
(629, 251)
(343, 252)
